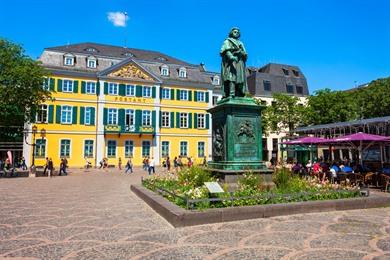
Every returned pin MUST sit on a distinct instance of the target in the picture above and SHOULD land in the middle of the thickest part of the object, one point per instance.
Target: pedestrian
(204, 161)
(120, 163)
(190, 163)
(62, 166)
(175, 165)
(151, 166)
(65, 165)
(105, 163)
(46, 165)
(168, 164)
(23, 162)
(50, 168)
(129, 166)
(179, 163)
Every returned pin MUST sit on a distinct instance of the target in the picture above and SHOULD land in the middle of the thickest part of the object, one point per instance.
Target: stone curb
(179, 217)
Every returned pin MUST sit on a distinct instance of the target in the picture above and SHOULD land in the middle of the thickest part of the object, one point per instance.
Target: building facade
(276, 78)
(119, 103)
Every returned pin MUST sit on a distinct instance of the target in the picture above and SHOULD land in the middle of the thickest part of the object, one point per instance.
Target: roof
(97, 49)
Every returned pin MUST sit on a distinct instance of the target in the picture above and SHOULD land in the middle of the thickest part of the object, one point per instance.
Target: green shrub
(281, 178)
(194, 176)
(249, 181)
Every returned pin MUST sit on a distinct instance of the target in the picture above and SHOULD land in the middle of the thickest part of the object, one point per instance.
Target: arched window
(164, 70)
(182, 72)
(215, 80)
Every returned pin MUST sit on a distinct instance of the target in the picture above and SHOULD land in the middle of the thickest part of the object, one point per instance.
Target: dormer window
(182, 72)
(161, 59)
(215, 80)
(91, 62)
(90, 49)
(164, 70)
(296, 73)
(285, 71)
(128, 54)
(69, 60)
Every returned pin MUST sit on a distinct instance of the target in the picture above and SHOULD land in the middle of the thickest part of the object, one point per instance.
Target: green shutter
(98, 88)
(58, 114)
(82, 115)
(59, 85)
(195, 96)
(105, 88)
(207, 97)
(75, 86)
(178, 94)
(189, 120)
(195, 120)
(51, 84)
(33, 114)
(189, 95)
(177, 120)
(74, 115)
(172, 94)
(161, 92)
(160, 121)
(207, 121)
(172, 119)
(92, 116)
(105, 116)
(121, 118)
(83, 87)
(153, 92)
(138, 119)
(154, 119)
(51, 112)
(138, 91)
(122, 90)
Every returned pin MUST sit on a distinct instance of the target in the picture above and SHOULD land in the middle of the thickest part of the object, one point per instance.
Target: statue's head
(235, 33)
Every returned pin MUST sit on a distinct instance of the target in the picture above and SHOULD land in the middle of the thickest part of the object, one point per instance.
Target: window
(68, 60)
(111, 148)
(145, 148)
(129, 117)
(166, 93)
(182, 73)
(146, 91)
(112, 116)
(201, 146)
(183, 94)
(164, 149)
(165, 119)
(46, 84)
(66, 115)
(67, 85)
(299, 89)
(88, 148)
(88, 115)
(183, 120)
(40, 148)
(296, 73)
(215, 100)
(215, 80)
(42, 114)
(65, 148)
(129, 54)
(90, 87)
(267, 85)
(90, 49)
(290, 88)
(201, 121)
(286, 72)
(183, 148)
(91, 63)
(274, 144)
(129, 148)
(130, 90)
(113, 88)
(200, 96)
(146, 118)
(164, 70)
(265, 149)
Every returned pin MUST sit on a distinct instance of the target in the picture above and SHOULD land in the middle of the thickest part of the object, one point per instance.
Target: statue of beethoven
(233, 73)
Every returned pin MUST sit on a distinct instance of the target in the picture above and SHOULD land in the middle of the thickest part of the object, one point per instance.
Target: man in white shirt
(151, 166)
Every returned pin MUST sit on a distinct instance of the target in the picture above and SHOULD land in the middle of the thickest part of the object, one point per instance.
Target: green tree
(21, 91)
(285, 113)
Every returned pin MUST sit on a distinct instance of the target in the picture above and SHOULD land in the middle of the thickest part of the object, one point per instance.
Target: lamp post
(34, 132)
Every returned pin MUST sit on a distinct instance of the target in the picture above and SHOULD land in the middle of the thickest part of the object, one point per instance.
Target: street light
(34, 132)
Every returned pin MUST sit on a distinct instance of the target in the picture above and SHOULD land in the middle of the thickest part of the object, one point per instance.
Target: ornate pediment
(130, 71)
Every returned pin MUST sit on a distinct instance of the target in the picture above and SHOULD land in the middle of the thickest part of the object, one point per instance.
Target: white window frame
(88, 110)
(131, 113)
(180, 151)
(166, 93)
(39, 145)
(93, 152)
(46, 84)
(44, 109)
(68, 84)
(113, 88)
(90, 87)
(201, 121)
(215, 80)
(69, 58)
(130, 90)
(116, 149)
(183, 120)
(162, 151)
(146, 91)
(112, 116)
(165, 119)
(182, 72)
(142, 147)
(94, 63)
(146, 118)
(129, 144)
(68, 115)
(201, 96)
(183, 96)
(70, 148)
(165, 70)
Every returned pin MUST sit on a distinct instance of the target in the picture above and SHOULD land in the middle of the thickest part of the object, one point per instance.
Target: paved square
(94, 215)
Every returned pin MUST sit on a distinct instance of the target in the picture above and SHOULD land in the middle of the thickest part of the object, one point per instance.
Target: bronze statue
(233, 73)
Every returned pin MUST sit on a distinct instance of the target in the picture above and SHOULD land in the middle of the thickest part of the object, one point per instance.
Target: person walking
(46, 165)
(50, 168)
(175, 164)
(151, 166)
(62, 167)
(129, 166)
(120, 163)
(65, 165)
(168, 164)
(23, 163)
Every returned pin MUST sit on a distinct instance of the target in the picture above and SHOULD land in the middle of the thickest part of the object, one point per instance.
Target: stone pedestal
(237, 136)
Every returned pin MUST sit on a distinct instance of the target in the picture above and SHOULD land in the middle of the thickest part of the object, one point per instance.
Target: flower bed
(187, 189)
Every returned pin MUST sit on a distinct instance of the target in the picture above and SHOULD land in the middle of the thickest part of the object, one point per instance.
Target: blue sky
(337, 44)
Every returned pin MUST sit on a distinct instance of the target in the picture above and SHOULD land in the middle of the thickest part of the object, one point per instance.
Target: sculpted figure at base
(233, 73)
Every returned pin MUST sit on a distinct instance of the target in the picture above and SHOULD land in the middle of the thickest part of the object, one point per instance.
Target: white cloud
(119, 19)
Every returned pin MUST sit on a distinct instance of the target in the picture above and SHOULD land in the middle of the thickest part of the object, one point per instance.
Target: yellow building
(117, 102)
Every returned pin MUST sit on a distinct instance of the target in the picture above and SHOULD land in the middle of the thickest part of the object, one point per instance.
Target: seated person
(347, 169)
(316, 168)
(296, 168)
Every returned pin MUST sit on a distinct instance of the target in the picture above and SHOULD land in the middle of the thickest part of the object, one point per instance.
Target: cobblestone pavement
(94, 215)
